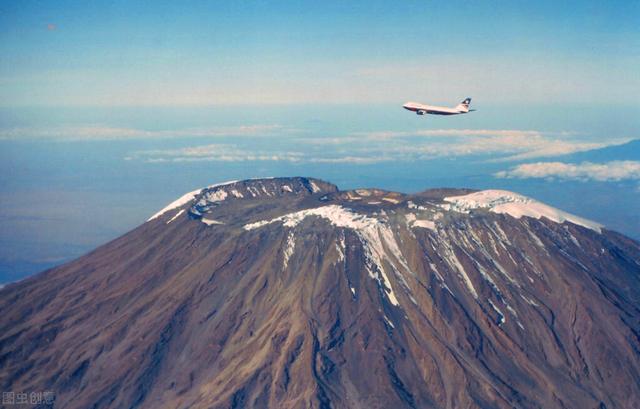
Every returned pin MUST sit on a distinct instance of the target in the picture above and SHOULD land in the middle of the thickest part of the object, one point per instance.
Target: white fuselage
(422, 109)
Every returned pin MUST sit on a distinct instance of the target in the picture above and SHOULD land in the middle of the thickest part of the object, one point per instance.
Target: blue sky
(109, 110)
(186, 53)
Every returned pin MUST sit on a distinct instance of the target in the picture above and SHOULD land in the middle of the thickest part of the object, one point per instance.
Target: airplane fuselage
(422, 109)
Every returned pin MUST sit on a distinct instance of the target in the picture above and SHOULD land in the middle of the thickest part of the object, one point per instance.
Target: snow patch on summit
(210, 222)
(413, 221)
(337, 215)
(515, 205)
(501, 317)
(375, 235)
(182, 200)
(176, 216)
(314, 187)
(186, 198)
(289, 249)
(217, 196)
(340, 248)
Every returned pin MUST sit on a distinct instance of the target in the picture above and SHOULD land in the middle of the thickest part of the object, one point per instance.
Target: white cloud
(382, 136)
(359, 147)
(98, 132)
(501, 147)
(517, 147)
(212, 152)
(363, 148)
(604, 172)
(450, 132)
(359, 160)
(506, 144)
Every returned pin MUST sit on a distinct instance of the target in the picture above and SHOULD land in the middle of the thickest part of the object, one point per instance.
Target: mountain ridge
(250, 294)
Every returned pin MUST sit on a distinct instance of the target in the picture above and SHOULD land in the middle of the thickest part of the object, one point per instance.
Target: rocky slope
(289, 293)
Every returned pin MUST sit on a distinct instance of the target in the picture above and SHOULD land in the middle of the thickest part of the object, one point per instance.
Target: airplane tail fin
(464, 105)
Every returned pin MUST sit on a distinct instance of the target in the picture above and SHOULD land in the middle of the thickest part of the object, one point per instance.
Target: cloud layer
(495, 145)
(214, 152)
(376, 147)
(603, 172)
(98, 132)
(502, 144)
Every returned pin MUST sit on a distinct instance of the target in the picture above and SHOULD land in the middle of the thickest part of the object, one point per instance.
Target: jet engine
(421, 112)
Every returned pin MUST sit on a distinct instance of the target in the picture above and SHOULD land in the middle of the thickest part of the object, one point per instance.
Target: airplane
(421, 109)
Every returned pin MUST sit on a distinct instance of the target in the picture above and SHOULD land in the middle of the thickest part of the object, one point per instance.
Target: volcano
(290, 293)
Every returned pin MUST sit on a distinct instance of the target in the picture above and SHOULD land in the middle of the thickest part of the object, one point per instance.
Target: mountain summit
(290, 293)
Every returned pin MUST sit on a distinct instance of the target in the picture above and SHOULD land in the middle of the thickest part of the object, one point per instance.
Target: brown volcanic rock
(289, 293)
